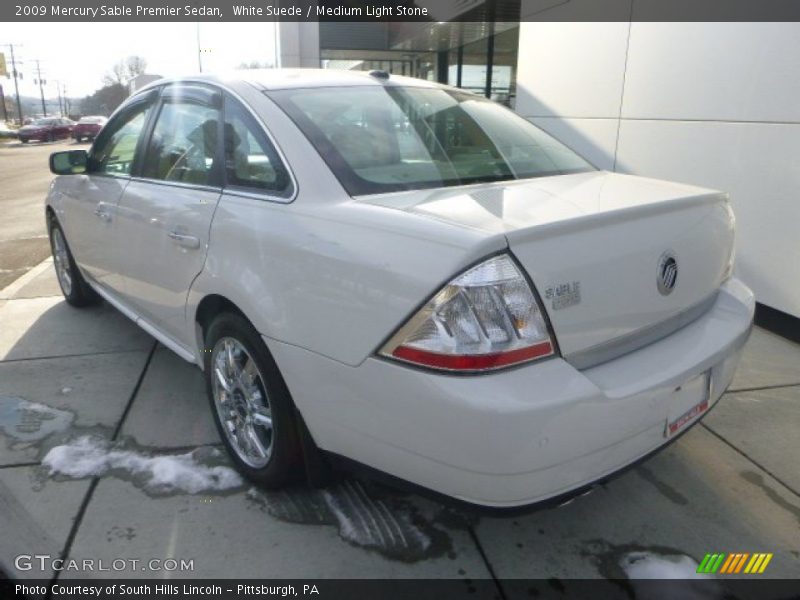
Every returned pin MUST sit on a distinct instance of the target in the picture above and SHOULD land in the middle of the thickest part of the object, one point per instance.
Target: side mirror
(70, 162)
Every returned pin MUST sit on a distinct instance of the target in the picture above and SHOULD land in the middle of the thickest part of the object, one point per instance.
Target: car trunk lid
(618, 260)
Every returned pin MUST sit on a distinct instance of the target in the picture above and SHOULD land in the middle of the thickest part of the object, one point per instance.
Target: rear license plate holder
(687, 403)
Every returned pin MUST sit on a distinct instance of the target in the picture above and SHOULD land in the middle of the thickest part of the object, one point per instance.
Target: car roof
(278, 79)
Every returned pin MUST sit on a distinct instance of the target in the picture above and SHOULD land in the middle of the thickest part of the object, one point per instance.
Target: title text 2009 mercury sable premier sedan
(405, 275)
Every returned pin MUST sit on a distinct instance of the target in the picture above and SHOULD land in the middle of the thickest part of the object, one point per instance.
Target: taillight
(486, 318)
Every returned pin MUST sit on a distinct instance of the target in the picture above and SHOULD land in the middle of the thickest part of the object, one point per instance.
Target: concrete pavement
(730, 485)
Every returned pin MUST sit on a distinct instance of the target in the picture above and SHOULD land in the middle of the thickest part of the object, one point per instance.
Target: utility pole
(60, 105)
(16, 85)
(3, 101)
(41, 86)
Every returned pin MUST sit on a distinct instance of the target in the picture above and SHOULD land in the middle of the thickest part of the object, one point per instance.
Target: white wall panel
(758, 165)
(594, 139)
(571, 69)
(299, 44)
(712, 71)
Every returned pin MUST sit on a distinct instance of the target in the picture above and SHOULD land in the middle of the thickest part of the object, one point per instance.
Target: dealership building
(711, 104)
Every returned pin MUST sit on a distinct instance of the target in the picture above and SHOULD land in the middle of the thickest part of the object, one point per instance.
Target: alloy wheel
(62, 263)
(242, 403)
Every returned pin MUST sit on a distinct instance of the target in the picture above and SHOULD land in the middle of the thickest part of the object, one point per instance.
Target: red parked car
(48, 129)
(88, 127)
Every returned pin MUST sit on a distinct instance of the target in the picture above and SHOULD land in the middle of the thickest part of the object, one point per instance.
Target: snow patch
(90, 456)
(28, 421)
(646, 565)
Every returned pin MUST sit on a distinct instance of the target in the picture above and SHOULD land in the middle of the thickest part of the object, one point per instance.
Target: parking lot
(23, 171)
(108, 451)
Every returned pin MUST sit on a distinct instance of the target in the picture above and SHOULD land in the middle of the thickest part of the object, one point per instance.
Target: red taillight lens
(484, 319)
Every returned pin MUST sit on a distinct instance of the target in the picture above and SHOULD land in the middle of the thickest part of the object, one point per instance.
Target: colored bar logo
(737, 562)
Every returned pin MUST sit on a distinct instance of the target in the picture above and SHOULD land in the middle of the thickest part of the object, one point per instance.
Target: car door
(64, 128)
(165, 214)
(59, 127)
(90, 201)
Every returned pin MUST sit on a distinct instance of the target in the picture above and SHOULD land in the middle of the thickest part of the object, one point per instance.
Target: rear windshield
(384, 139)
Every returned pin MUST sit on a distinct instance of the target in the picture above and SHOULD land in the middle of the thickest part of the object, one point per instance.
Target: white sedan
(405, 275)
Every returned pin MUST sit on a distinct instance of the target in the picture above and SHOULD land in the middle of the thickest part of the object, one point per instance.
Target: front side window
(383, 139)
(114, 152)
(183, 147)
(251, 161)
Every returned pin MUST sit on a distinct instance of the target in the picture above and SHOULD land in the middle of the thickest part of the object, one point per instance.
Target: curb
(12, 288)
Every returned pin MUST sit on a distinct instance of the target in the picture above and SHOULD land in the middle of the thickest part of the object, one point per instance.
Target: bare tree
(135, 65)
(124, 70)
(117, 75)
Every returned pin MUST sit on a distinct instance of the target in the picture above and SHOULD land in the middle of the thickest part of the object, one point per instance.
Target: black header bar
(400, 10)
(398, 589)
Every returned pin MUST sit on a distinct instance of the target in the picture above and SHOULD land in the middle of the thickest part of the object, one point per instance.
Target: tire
(23, 140)
(74, 287)
(243, 395)
(51, 137)
(78, 139)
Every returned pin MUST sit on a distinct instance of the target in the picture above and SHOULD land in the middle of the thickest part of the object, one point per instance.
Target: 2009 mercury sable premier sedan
(406, 275)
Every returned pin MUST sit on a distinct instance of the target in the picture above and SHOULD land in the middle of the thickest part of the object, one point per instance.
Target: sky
(79, 54)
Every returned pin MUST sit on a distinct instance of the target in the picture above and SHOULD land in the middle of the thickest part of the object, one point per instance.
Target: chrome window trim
(179, 184)
(109, 175)
(242, 193)
(602, 353)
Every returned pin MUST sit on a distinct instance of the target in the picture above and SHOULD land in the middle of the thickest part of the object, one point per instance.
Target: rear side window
(114, 151)
(183, 146)
(251, 161)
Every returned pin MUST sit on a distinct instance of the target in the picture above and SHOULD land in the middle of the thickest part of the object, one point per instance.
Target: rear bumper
(518, 436)
(76, 133)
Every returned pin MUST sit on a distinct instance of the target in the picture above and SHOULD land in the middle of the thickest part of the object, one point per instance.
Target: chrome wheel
(61, 259)
(241, 401)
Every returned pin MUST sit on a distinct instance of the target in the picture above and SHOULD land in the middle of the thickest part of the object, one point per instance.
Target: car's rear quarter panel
(325, 272)
(335, 279)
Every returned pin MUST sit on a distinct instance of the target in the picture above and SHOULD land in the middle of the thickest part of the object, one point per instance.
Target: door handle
(99, 212)
(187, 241)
